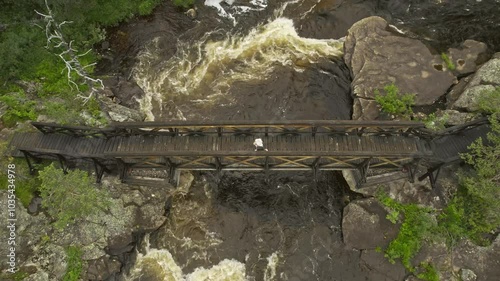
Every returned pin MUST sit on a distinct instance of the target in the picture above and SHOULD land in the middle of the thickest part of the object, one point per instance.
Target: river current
(271, 60)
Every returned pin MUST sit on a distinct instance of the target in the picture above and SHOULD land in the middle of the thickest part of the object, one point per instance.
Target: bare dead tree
(69, 55)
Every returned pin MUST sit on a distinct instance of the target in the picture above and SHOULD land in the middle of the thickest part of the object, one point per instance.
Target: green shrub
(395, 103)
(417, 226)
(74, 267)
(183, 3)
(447, 61)
(69, 197)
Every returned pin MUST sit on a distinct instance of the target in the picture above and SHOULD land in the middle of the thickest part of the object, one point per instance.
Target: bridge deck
(447, 148)
(139, 146)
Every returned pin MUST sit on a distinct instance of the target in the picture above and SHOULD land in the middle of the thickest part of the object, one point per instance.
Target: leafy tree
(475, 209)
(69, 197)
(395, 103)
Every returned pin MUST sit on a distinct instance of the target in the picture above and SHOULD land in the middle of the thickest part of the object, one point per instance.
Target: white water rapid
(203, 72)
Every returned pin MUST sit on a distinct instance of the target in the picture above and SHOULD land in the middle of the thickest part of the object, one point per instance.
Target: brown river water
(256, 60)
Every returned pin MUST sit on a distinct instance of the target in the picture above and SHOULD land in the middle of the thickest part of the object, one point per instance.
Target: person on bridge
(259, 145)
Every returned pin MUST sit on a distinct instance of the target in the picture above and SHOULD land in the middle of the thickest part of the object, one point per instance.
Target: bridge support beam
(363, 168)
(411, 169)
(62, 163)
(27, 157)
(122, 169)
(433, 174)
(99, 170)
(315, 168)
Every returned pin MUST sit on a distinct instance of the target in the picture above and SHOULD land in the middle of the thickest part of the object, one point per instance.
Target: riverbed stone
(468, 56)
(364, 225)
(378, 56)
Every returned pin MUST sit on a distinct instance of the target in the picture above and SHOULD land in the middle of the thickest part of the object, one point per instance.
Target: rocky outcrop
(364, 225)
(27, 230)
(123, 92)
(120, 113)
(377, 56)
(487, 78)
(105, 238)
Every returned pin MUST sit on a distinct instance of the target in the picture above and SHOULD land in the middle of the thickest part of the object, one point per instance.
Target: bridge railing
(454, 130)
(77, 131)
(260, 128)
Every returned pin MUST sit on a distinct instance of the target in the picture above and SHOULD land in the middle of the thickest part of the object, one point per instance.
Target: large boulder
(484, 262)
(467, 58)
(380, 267)
(487, 78)
(364, 225)
(377, 56)
(120, 113)
(397, 186)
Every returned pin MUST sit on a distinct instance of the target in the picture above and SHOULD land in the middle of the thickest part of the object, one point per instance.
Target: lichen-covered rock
(377, 57)
(469, 99)
(364, 225)
(454, 117)
(467, 275)
(26, 232)
(488, 74)
(487, 78)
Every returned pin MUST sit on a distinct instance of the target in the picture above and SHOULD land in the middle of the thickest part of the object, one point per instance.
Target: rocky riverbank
(378, 54)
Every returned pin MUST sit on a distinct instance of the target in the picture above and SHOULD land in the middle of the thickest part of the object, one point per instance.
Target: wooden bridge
(227, 145)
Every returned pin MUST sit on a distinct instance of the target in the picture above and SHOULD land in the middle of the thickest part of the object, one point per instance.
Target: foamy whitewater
(204, 72)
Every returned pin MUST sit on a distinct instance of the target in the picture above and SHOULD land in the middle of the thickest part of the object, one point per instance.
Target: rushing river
(268, 60)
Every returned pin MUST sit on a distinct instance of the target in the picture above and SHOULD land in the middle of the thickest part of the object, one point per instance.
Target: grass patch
(74, 267)
(449, 64)
(429, 272)
(183, 3)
